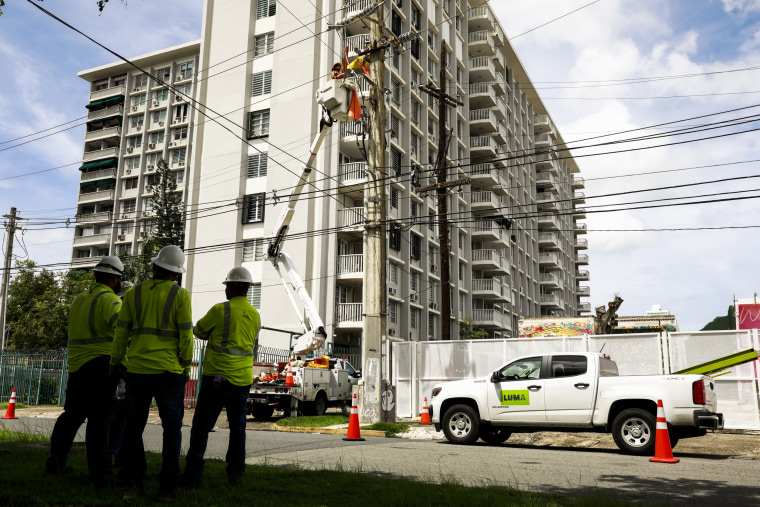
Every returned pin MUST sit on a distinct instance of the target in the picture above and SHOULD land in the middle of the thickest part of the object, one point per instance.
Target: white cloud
(742, 7)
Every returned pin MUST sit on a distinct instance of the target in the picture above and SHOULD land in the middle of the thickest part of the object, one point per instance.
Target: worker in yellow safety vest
(155, 337)
(92, 322)
(231, 329)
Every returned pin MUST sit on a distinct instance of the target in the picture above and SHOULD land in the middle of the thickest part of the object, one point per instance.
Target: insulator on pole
(370, 9)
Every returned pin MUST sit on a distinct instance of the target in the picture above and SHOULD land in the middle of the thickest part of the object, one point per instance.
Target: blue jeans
(169, 391)
(212, 397)
(88, 396)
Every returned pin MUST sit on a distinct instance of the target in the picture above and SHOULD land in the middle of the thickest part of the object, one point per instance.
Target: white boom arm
(314, 329)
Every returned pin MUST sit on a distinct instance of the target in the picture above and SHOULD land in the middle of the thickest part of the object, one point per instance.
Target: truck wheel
(320, 404)
(634, 431)
(262, 411)
(494, 436)
(461, 425)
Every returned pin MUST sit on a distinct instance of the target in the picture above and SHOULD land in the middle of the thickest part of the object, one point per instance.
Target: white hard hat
(111, 265)
(239, 274)
(171, 258)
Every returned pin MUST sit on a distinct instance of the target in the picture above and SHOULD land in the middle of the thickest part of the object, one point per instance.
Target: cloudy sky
(610, 67)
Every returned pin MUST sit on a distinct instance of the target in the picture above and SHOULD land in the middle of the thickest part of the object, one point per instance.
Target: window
(263, 44)
(132, 163)
(161, 95)
(180, 113)
(431, 325)
(395, 127)
(394, 240)
(415, 242)
(183, 90)
(159, 116)
(568, 366)
(415, 112)
(415, 47)
(120, 80)
(161, 74)
(126, 227)
(257, 165)
(178, 155)
(179, 134)
(179, 176)
(157, 137)
(100, 85)
(139, 80)
(413, 317)
(394, 198)
(258, 124)
(395, 162)
(265, 8)
(414, 145)
(254, 295)
(522, 369)
(130, 183)
(253, 208)
(185, 70)
(393, 273)
(414, 281)
(128, 206)
(461, 271)
(124, 250)
(392, 312)
(261, 83)
(395, 23)
(134, 142)
(152, 159)
(138, 100)
(253, 250)
(137, 121)
(416, 18)
(461, 305)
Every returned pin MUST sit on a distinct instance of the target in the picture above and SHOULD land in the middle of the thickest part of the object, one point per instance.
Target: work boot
(57, 470)
(171, 496)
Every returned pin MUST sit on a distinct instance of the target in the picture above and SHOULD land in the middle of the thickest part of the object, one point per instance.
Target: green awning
(116, 116)
(100, 164)
(86, 184)
(106, 181)
(110, 101)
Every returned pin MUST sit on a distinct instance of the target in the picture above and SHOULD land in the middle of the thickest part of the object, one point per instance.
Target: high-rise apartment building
(258, 67)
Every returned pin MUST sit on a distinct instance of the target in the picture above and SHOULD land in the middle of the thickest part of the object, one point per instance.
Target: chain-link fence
(39, 376)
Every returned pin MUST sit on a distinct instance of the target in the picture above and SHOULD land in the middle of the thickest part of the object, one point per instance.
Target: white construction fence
(418, 366)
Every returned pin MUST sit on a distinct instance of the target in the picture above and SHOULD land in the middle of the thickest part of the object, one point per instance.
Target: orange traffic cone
(289, 378)
(662, 451)
(425, 417)
(353, 422)
(11, 412)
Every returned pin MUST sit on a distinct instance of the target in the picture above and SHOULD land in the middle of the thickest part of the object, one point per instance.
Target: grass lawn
(316, 421)
(22, 483)
(4, 406)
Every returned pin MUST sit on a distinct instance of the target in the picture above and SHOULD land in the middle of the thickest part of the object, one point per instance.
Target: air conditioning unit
(432, 138)
(150, 167)
(148, 188)
(434, 305)
(143, 234)
(151, 145)
(392, 291)
(181, 164)
(176, 120)
(160, 124)
(128, 171)
(121, 237)
(391, 332)
(171, 144)
(434, 268)
(155, 103)
(137, 89)
(413, 151)
(414, 298)
(139, 127)
(178, 98)
(129, 150)
(496, 334)
(125, 215)
(134, 108)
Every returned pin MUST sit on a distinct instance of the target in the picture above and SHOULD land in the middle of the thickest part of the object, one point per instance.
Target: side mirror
(495, 378)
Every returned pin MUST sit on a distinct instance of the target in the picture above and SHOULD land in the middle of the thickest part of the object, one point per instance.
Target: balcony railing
(488, 318)
(101, 195)
(548, 258)
(485, 199)
(349, 312)
(353, 171)
(350, 264)
(95, 155)
(351, 217)
(549, 299)
(103, 216)
(107, 92)
(93, 239)
(105, 113)
(582, 259)
(542, 140)
(483, 142)
(98, 175)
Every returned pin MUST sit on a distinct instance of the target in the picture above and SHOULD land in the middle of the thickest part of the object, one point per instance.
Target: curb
(328, 431)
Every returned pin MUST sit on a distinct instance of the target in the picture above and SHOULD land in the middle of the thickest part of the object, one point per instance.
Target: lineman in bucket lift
(92, 323)
(154, 336)
(231, 329)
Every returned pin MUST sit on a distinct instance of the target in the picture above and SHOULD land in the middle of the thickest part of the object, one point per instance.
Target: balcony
(546, 201)
(548, 240)
(89, 218)
(580, 228)
(349, 315)
(484, 175)
(543, 141)
(102, 195)
(550, 300)
(583, 291)
(350, 269)
(489, 319)
(353, 218)
(352, 174)
(582, 276)
(98, 154)
(485, 201)
(551, 280)
(108, 112)
(548, 259)
(489, 288)
(102, 134)
(355, 6)
(103, 174)
(579, 213)
(482, 69)
(490, 261)
(582, 259)
(581, 244)
(578, 182)
(544, 178)
(542, 124)
(482, 95)
(350, 132)
(481, 43)
(483, 146)
(482, 122)
(489, 232)
(480, 16)
(548, 222)
(107, 92)
(583, 307)
(92, 240)
(356, 41)
(80, 262)
(546, 162)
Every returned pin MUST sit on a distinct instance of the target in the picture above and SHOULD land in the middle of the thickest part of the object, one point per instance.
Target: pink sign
(748, 316)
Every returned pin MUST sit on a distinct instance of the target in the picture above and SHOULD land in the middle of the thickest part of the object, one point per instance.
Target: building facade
(258, 69)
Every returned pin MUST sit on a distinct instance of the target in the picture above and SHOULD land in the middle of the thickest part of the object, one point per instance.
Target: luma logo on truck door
(515, 397)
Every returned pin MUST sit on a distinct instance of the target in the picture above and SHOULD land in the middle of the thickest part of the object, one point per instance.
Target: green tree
(728, 322)
(467, 331)
(38, 306)
(167, 225)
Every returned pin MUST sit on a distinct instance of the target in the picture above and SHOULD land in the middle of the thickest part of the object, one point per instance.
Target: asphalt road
(698, 480)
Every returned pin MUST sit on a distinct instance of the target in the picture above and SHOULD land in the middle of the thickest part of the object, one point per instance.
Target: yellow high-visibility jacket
(155, 329)
(231, 329)
(92, 322)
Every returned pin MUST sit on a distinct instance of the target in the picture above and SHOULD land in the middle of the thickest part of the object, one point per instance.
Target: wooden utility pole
(442, 190)
(375, 247)
(10, 231)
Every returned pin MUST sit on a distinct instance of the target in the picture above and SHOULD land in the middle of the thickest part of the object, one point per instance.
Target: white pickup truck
(573, 392)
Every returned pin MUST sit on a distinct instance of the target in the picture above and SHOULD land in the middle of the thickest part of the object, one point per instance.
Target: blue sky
(694, 273)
